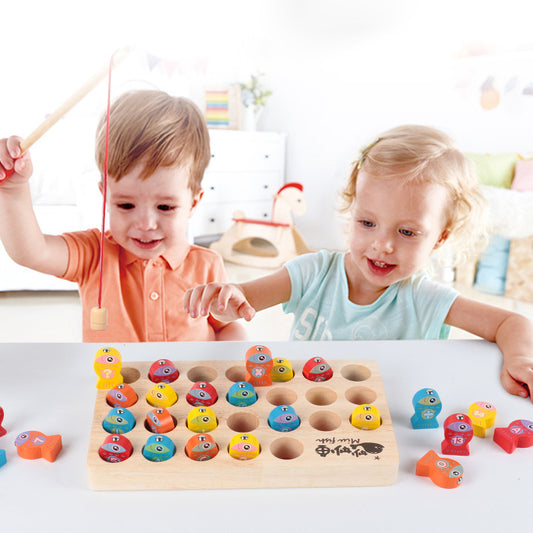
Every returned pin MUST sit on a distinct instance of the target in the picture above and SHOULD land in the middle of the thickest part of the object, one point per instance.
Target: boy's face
(149, 216)
(394, 229)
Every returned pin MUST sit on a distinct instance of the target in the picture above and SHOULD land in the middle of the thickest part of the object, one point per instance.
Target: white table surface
(51, 388)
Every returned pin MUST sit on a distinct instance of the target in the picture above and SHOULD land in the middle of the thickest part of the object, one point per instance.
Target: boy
(158, 152)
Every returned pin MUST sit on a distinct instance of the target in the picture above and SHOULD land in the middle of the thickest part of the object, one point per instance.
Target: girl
(409, 192)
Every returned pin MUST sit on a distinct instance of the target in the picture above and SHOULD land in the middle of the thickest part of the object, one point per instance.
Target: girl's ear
(442, 239)
(101, 187)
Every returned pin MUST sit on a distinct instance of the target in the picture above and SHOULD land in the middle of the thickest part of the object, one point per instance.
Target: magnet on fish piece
(122, 395)
(259, 366)
(201, 447)
(427, 405)
(458, 433)
(201, 420)
(366, 416)
(282, 370)
(115, 449)
(445, 473)
(283, 418)
(317, 369)
(244, 446)
(161, 395)
(34, 445)
(107, 365)
(158, 448)
(483, 415)
(159, 420)
(3, 431)
(119, 420)
(518, 434)
(202, 393)
(163, 371)
(3, 459)
(242, 394)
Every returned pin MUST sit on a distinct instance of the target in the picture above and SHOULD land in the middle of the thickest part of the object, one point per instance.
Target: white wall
(341, 71)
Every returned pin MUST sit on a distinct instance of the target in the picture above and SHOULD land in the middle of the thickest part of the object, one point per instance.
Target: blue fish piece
(119, 420)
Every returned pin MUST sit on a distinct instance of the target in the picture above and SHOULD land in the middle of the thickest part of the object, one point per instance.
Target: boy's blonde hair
(157, 130)
(421, 154)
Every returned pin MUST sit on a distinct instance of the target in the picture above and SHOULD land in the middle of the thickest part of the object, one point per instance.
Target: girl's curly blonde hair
(418, 154)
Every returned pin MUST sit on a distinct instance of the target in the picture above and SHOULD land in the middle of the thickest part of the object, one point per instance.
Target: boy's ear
(442, 239)
(101, 187)
(195, 201)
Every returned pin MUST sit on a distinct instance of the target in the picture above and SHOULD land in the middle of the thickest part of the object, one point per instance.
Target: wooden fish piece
(483, 415)
(163, 371)
(115, 449)
(201, 447)
(458, 433)
(244, 446)
(281, 370)
(161, 395)
(3, 431)
(366, 416)
(317, 369)
(122, 395)
(107, 365)
(34, 445)
(201, 420)
(159, 420)
(202, 393)
(518, 434)
(119, 420)
(158, 448)
(445, 473)
(427, 405)
(259, 366)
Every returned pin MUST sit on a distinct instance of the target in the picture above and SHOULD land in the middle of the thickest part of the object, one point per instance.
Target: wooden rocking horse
(266, 243)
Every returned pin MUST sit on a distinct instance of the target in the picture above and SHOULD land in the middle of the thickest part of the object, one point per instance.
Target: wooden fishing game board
(325, 450)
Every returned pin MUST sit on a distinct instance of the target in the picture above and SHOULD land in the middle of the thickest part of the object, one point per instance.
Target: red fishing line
(104, 202)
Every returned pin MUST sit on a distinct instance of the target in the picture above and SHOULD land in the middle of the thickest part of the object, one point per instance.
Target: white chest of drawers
(245, 172)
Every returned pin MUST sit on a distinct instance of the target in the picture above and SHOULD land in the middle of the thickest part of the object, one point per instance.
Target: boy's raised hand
(12, 158)
(224, 301)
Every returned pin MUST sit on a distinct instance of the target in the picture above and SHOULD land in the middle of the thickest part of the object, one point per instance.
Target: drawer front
(240, 186)
(244, 151)
(216, 219)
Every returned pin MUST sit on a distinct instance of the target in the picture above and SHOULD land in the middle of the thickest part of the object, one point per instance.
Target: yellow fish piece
(201, 419)
(483, 415)
(366, 416)
(107, 365)
(244, 446)
(161, 395)
(282, 370)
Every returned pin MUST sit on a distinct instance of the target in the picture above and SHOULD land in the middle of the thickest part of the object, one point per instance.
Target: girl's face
(149, 216)
(394, 228)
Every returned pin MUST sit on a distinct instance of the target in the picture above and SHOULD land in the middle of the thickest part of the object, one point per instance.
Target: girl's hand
(224, 301)
(517, 376)
(11, 158)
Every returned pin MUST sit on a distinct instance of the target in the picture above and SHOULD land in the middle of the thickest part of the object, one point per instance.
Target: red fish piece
(3, 431)
(518, 434)
(163, 371)
(317, 369)
(458, 432)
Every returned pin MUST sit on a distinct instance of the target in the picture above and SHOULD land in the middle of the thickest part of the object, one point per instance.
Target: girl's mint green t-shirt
(414, 308)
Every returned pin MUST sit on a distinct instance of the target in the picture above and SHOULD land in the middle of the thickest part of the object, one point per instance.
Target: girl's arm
(231, 301)
(19, 231)
(513, 333)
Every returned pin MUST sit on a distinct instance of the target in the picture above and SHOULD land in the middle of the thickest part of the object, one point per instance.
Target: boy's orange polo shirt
(144, 298)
